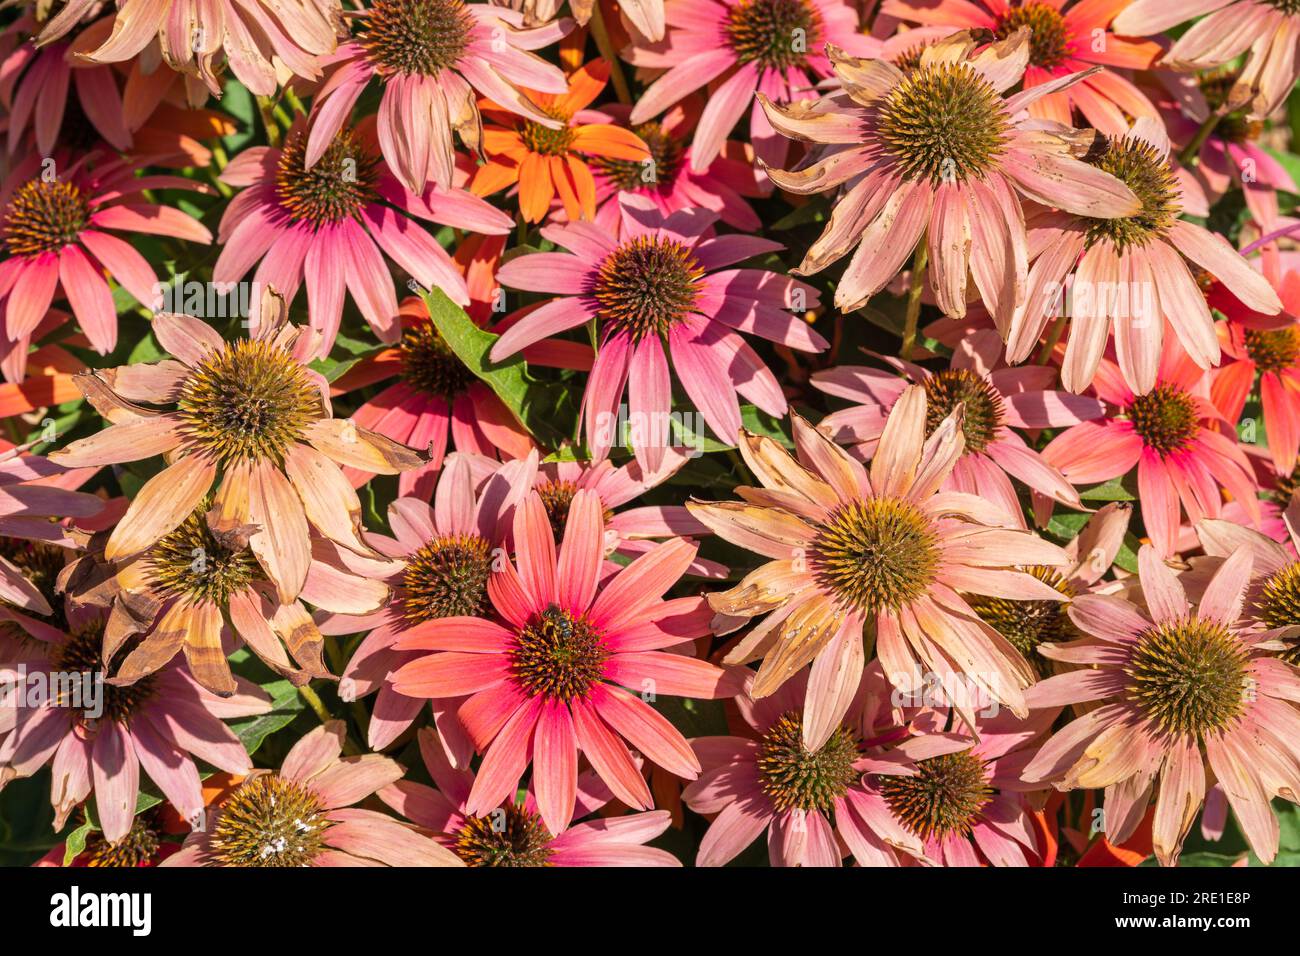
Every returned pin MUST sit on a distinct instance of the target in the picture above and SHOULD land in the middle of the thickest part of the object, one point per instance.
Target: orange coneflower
(548, 162)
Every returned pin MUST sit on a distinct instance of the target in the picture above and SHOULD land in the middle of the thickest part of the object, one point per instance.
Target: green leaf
(1206, 858)
(75, 844)
(1117, 489)
(534, 403)
(286, 704)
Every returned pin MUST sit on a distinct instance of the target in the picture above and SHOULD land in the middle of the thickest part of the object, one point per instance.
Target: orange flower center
(248, 402)
(44, 216)
(943, 798)
(1027, 624)
(83, 654)
(943, 123)
(269, 821)
(795, 777)
(190, 562)
(336, 188)
(665, 152)
(1273, 350)
(876, 553)
(137, 848)
(558, 655)
(1189, 676)
(983, 411)
(777, 34)
(1278, 604)
(429, 364)
(447, 578)
(1138, 165)
(1049, 41)
(556, 497)
(648, 285)
(509, 836)
(1166, 418)
(546, 141)
(415, 37)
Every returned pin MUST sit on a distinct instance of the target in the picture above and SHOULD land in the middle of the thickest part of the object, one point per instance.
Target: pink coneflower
(1171, 435)
(886, 551)
(250, 33)
(1134, 273)
(433, 58)
(54, 233)
(808, 799)
(1269, 31)
(960, 794)
(1065, 37)
(549, 681)
(438, 563)
(657, 284)
(772, 47)
(636, 530)
(994, 400)
(30, 536)
(249, 417)
(334, 223)
(1271, 348)
(669, 179)
(514, 834)
(436, 403)
(159, 725)
(38, 84)
(304, 814)
(1172, 686)
(939, 149)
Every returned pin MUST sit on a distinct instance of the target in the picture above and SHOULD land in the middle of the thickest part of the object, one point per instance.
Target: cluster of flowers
(445, 432)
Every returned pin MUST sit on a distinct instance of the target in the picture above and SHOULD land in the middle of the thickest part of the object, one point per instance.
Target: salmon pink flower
(939, 148)
(1172, 686)
(99, 742)
(514, 834)
(772, 47)
(1132, 272)
(254, 38)
(435, 403)
(304, 814)
(810, 800)
(54, 233)
(332, 223)
(1172, 435)
(549, 680)
(1065, 37)
(669, 178)
(248, 417)
(660, 289)
(1268, 32)
(437, 564)
(887, 551)
(995, 400)
(546, 161)
(432, 57)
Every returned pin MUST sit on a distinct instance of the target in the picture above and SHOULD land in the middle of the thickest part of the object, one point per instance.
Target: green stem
(322, 713)
(920, 260)
(267, 111)
(1192, 150)
(1053, 336)
(606, 47)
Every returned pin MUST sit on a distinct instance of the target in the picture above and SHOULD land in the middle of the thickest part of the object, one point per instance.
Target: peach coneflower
(547, 161)
(304, 814)
(433, 57)
(250, 33)
(248, 416)
(1132, 272)
(886, 551)
(549, 681)
(1174, 686)
(1065, 37)
(995, 400)
(940, 148)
